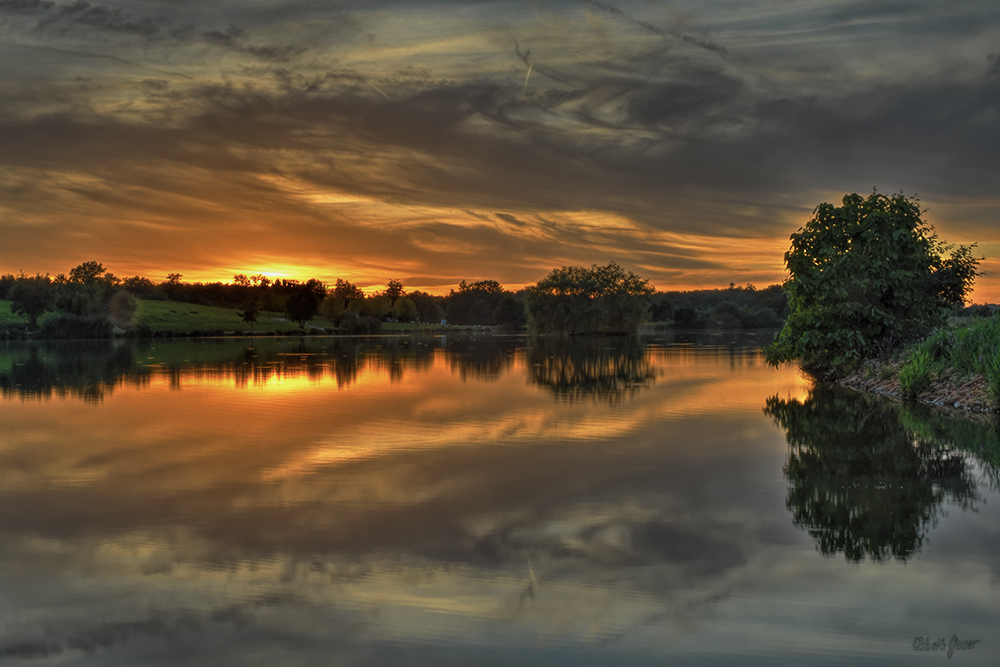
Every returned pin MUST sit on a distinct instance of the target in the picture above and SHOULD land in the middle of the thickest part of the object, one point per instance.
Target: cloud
(619, 117)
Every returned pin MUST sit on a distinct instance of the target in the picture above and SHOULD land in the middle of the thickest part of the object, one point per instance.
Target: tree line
(598, 299)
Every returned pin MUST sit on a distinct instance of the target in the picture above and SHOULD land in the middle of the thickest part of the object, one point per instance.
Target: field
(186, 317)
(183, 318)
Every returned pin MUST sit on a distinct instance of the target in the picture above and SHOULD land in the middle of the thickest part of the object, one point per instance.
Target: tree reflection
(572, 368)
(88, 370)
(863, 480)
(482, 358)
(92, 369)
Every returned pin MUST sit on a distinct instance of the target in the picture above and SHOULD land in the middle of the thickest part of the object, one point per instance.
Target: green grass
(7, 317)
(183, 318)
(917, 373)
(186, 317)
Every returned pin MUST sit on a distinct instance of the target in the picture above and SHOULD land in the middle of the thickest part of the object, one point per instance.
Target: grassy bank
(180, 318)
(176, 318)
(958, 367)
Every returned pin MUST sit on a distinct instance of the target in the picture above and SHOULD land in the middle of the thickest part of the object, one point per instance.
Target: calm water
(481, 501)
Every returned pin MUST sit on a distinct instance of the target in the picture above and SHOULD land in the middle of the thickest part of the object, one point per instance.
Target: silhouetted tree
(6, 282)
(510, 312)
(430, 308)
(474, 302)
(32, 296)
(249, 315)
(303, 303)
(141, 288)
(394, 290)
(347, 291)
(87, 273)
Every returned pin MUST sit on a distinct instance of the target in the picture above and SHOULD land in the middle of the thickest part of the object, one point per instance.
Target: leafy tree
(303, 303)
(686, 317)
(378, 306)
(429, 307)
(249, 314)
(487, 286)
(510, 312)
(344, 289)
(172, 286)
(6, 282)
(474, 302)
(866, 276)
(346, 292)
(140, 287)
(87, 291)
(32, 296)
(87, 273)
(394, 290)
(601, 299)
(404, 310)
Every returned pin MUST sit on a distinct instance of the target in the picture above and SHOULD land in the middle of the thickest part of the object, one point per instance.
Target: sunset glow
(435, 143)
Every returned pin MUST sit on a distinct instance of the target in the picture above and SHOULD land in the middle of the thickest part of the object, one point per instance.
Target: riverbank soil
(950, 389)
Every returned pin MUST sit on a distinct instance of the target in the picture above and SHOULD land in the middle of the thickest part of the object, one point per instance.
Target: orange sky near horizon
(434, 143)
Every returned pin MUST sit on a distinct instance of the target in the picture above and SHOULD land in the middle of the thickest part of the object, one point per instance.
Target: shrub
(353, 325)
(76, 326)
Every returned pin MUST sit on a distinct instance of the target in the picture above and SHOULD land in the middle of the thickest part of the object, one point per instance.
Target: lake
(482, 501)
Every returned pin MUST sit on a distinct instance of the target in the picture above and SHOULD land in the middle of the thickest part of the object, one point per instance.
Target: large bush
(601, 299)
(866, 277)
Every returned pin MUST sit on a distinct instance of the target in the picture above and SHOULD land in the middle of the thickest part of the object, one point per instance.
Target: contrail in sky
(614, 11)
(611, 9)
(377, 89)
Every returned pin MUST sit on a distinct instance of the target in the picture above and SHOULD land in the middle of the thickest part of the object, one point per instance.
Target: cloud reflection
(482, 516)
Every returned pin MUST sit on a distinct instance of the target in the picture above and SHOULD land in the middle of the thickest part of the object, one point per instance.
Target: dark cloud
(85, 18)
(700, 97)
(667, 130)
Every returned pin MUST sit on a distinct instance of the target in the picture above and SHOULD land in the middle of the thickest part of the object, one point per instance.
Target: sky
(434, 142)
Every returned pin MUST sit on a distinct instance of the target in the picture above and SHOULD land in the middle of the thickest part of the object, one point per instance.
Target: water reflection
(430, 501)
(93, 370)
(609, 369)
(869, 477)
(602, 368)
(86, 370)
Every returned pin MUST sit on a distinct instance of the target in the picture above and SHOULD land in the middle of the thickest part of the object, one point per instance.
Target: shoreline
(957, 393)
